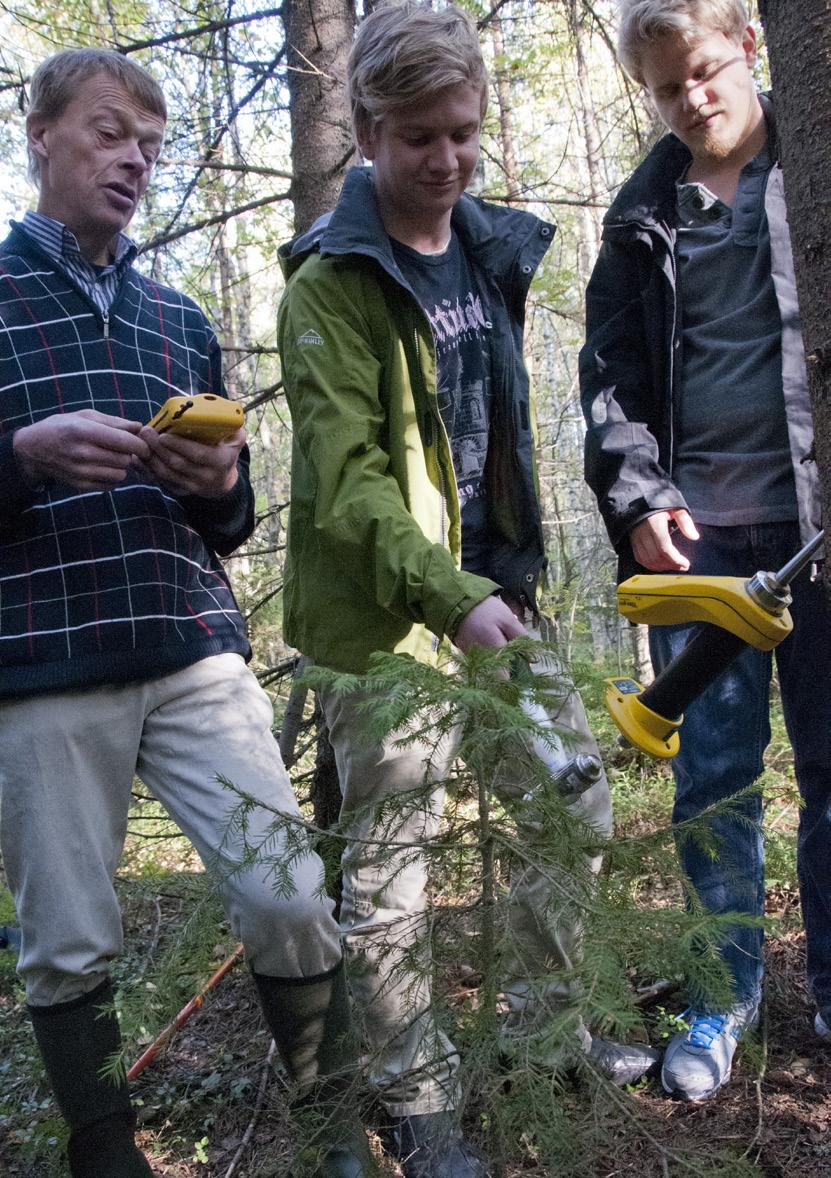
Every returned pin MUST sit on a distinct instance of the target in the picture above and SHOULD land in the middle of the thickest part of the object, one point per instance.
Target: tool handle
(797, 563)
(709, 652)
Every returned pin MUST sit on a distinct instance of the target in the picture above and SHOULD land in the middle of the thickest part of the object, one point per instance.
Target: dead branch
(255, 1116)
(263, 396)
(213, 26)
(165, 238)
(219, 165)
(220, 133)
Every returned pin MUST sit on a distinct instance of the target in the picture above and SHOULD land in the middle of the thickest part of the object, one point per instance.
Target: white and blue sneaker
(699, 1060)
(822, 1028)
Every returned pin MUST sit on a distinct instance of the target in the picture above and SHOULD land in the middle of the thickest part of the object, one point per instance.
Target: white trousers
(67, 761)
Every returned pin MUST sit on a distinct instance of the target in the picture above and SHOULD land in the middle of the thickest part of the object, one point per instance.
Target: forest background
(258, 141)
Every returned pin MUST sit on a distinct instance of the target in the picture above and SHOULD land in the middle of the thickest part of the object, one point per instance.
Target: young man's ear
(749, 46)
(365, 134)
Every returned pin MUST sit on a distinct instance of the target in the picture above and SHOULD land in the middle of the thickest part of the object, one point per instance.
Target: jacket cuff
(667, 499)
(477, 589)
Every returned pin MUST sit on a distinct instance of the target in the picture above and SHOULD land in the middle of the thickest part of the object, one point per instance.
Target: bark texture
(504, 98)
(597, 189)
(319, 36)
(799, 47)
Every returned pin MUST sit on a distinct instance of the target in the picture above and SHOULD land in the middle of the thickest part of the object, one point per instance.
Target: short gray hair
(407, 53)
(643, 21)
(56, 80)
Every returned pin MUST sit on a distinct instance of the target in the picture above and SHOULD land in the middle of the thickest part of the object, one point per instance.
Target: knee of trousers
(51, 987)
(286, 936)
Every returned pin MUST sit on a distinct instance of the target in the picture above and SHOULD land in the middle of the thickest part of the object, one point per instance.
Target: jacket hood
(649, 195)
(502, 238)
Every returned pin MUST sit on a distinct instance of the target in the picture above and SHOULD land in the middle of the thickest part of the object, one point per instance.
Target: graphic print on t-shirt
(463, 386)
(446, 291)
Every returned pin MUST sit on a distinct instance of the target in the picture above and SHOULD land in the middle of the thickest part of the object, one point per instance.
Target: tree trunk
(326, 801)
(592, 216)
(641, 660)
(504, 100)
(799, 47)
(319, 36)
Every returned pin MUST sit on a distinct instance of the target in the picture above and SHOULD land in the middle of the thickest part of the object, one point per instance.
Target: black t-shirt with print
(446, 290)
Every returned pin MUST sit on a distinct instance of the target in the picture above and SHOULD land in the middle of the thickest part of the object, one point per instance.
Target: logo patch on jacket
(311, 337)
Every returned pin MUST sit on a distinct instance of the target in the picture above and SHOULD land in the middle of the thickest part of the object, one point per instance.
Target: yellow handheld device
(204, 417)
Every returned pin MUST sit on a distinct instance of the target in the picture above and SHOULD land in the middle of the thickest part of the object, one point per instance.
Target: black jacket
(628, 363)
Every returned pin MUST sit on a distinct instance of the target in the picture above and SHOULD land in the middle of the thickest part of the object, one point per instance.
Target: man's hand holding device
(194, 443)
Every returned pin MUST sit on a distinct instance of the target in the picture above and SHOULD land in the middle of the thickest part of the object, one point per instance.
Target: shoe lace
(704, 1028)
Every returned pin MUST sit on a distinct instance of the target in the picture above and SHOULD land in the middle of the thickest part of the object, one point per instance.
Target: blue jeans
(723, 739)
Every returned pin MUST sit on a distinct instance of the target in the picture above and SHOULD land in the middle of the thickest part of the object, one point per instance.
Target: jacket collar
(649, 195)
(493, 235)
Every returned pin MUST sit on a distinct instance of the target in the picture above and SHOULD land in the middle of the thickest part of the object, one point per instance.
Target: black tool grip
(709, 652)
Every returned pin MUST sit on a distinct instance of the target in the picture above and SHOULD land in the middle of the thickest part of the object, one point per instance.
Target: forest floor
(213, 1105)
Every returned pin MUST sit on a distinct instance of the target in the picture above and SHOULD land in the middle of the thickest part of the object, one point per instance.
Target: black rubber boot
(310, 1022)
(430, 1145)
(76, 1040)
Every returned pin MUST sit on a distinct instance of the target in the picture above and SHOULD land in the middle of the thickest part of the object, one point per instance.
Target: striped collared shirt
(98, 282)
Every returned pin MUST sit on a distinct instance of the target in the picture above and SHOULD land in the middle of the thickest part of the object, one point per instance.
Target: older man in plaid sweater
(121, 647)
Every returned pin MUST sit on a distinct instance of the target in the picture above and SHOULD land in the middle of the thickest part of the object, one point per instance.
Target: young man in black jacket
(699, 452)
(122, 650)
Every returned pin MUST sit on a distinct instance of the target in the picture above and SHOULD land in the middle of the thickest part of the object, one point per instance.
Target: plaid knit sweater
(105, 587)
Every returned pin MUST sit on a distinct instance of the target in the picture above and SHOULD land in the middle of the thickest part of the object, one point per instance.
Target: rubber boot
(310, 1022)
(76, 1041)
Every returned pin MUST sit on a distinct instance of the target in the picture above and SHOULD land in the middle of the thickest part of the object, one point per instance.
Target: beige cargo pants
(385, 919)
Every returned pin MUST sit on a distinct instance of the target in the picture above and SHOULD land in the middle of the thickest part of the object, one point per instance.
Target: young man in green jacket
(415, 517)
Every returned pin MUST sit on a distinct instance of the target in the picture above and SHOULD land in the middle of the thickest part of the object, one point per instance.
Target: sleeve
(619, 400)
(15, 493)
(228, 521)
(336, 394)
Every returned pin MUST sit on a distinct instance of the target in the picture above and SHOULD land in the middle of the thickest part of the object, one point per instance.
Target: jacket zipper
(105, 318)
(672, 368)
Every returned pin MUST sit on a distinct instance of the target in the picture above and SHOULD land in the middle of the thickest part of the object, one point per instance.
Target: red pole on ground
(184, 1014)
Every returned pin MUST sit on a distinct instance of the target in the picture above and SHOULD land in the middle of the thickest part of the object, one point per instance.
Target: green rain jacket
(374, 536)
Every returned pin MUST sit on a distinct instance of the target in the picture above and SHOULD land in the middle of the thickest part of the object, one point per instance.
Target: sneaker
(822, 1028)
(534, 1037)
(431, 1145)
(699, 1061)
(623, 1063)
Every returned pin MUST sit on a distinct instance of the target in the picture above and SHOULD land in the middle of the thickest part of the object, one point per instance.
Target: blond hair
(56, 80)
(643, 21)
(406, 53)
